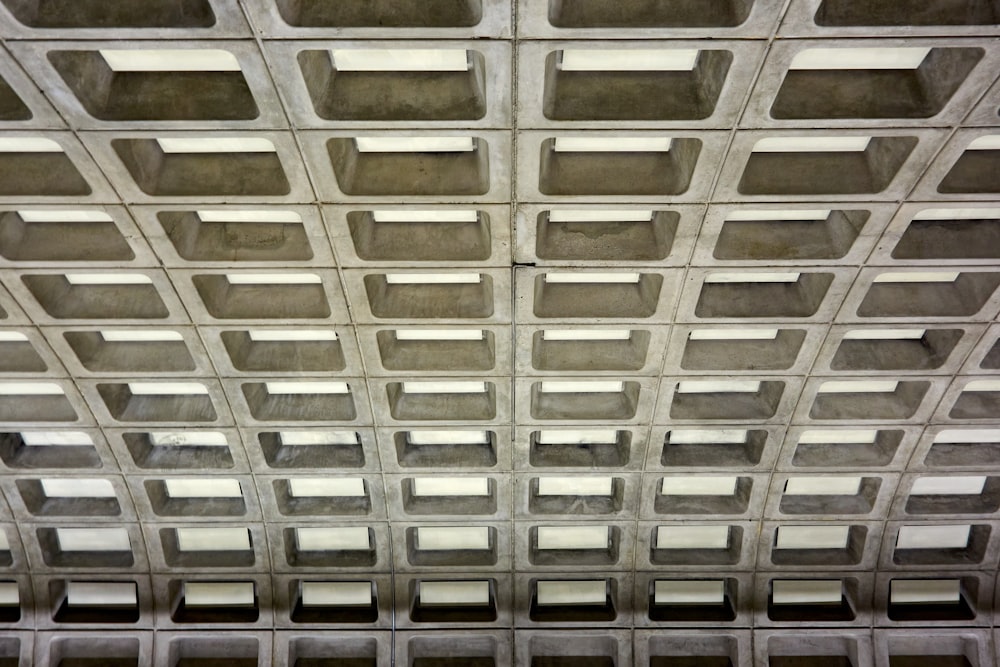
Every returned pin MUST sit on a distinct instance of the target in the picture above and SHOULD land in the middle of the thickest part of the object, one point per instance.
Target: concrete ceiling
(475, 332)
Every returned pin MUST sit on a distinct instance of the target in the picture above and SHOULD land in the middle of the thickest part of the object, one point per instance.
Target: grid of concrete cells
(481, 333)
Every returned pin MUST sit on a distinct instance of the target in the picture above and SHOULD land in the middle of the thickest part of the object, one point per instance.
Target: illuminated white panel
(581, 387)
(575, 486)
(444, 387)
(918, 277)
(433, 278)
(962, 436)
(733, 334)
(989, 142)
(692, 537)
(448, 437)
(982, 385)
(860, 58)
(589, 277)
(307, 438)
(219, 594)
(101, 593)
(213, 487)
(821, 144)
(925, 591)
(294, 387)
(572, 592)
(691, 485)
(576, 437)
(268, 216)
(400, 60)
(451, 486)
(341, 538)
(30, 389)
(753, 277)
(273, 279)
(12, 337)
(64, 216)
(440, 334)
(326, 487)
(689, 591)
(10, 595)
(600, 215)
(586, 334)
(807, 591)
(213, 539)
(29, 145)
(948, 486)
(708, 437)
(336, 593)
(415, 144)
(453, 593)
(93, 539)
(958, 214)
(718, 387)
(166, 388)
(108, 279)
(4, 541)
(885, 334)
(215, 145)
(140, 335)
(812, 537)
(409, 215)
(611, 144)
(77, 488)
(786, 214)
(858, 387)
(572, 537)
(188, 439)
(827, 485)
(67, 438)
(934, 537)
(170, 60)
(282, 335)
(448, 538)
(838, 437)
(628, 60)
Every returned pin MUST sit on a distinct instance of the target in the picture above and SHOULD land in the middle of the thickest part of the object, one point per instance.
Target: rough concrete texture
(499, 332)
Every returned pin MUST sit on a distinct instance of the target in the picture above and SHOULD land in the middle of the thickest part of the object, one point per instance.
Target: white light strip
(170, 60)
(576, 486)
(336, 593)
(858, 387)
(101, 593)
(140, 335)
(415, 144)
(444, 387)
(835, 437)
(407, 215)
(273, 279)
(581, 387)
(600, 215)
(966, 436)
(571, 592)
(925, 591)
(577, 437)
(188, 439)
(692, 537)
(293, 387)
(611, 144)
(64, 216)
(827, 485)
(266, 216)
(77, 488)
(982, 385)
(708, 437)
(108, 279)
(860, 58)
(817, 144)
(450, 486)
(215, 538)
(432, 278)
(219, 594)
(785, 214)
(12, 337)
(340, 538)
(326, 487)
(30, 389)
(400, 60)
(287, 335)
(934, 537)
(454, 593)
(448, 437)
(572, 537)
(718, 387)
(885, 334)
(309, 438)
(213, 487)
(167, 388)
(970, 485)
(689, 592)
(440, 334)
(698, 486)
(56, 438)
(93, 539)
(989, 142)
(29, 145)
(784, 277)
(958, 214)
(586, 334)
(808, 591)
(628, 60)
(450, 538)
(592, 278)
(733, 334)
(918, 277)
(215, 145)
